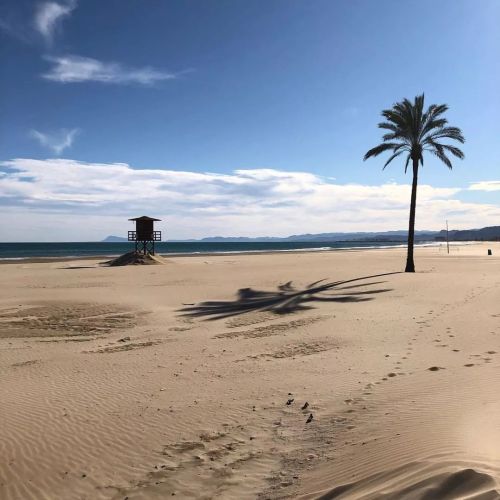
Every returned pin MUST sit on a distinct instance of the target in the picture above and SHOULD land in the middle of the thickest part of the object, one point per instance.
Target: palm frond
(395, 155)
(381, 148)
(446, 133)
(442, 156)
(407, 162)
(454, 151)
(418, 111)
(388, 126)
(396, 117)
(395, 135)
(431, 120)
(431, 125)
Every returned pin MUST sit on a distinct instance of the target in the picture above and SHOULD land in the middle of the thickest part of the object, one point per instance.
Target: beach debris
(290, 401)
(124, 339)
(435, 368)
(309, 418)
(304, 407)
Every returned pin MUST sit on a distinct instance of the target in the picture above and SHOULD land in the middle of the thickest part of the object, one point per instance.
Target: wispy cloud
(58, 141)
(75, 69)
(485, 186)
(256, 202)
(14, 30)
(48, 16)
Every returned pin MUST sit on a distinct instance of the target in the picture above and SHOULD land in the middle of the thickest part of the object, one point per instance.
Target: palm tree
(413, 131)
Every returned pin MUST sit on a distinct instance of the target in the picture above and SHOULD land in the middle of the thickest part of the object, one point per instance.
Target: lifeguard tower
(144, 235)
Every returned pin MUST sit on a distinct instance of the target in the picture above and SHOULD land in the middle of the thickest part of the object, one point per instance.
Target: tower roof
(145, 217)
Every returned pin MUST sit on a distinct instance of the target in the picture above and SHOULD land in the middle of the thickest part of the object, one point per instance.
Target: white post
(447, 238)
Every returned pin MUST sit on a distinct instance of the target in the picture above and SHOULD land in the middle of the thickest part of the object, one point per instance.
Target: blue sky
(239, 117)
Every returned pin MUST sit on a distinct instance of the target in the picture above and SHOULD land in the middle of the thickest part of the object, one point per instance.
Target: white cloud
(485, 186)
(97, 199)
(75, 69)
(49, 14)
(56, 141)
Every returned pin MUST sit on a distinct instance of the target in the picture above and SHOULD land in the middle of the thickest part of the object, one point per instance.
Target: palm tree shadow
(287, 298)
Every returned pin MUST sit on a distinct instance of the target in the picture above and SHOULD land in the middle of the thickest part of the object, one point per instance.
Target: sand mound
(136, 259)
(414, 482)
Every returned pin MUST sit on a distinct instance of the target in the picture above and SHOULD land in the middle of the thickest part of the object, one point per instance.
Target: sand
(146, 382)
(135, 259)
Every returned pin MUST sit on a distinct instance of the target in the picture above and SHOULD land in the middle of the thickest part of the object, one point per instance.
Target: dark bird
(309, 419)
(306, 404)
(290, 401)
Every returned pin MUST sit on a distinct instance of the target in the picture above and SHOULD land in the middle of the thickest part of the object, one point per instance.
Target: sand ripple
(53, 319)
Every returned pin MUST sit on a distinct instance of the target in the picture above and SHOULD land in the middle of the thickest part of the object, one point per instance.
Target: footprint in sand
(435, 368)
(468, 365)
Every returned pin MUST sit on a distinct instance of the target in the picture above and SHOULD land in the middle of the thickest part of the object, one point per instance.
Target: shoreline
(324, 249)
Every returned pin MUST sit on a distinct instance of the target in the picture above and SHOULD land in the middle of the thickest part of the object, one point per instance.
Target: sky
(239, 117)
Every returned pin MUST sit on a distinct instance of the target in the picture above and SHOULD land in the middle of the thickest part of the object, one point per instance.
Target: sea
(20, 251)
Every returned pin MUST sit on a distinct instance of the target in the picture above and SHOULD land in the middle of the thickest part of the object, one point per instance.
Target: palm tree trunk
(410, 265)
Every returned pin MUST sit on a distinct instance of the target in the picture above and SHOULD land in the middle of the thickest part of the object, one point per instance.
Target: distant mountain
(114, 239)
(331, 237)
(485, 234)
(491, 233)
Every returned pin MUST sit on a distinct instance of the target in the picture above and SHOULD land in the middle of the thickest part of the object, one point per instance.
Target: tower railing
(152, 236)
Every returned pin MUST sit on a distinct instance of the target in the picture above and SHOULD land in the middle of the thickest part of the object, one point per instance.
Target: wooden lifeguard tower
(144, 234)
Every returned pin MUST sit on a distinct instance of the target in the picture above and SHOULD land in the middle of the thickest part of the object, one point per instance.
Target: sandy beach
(117, 384)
